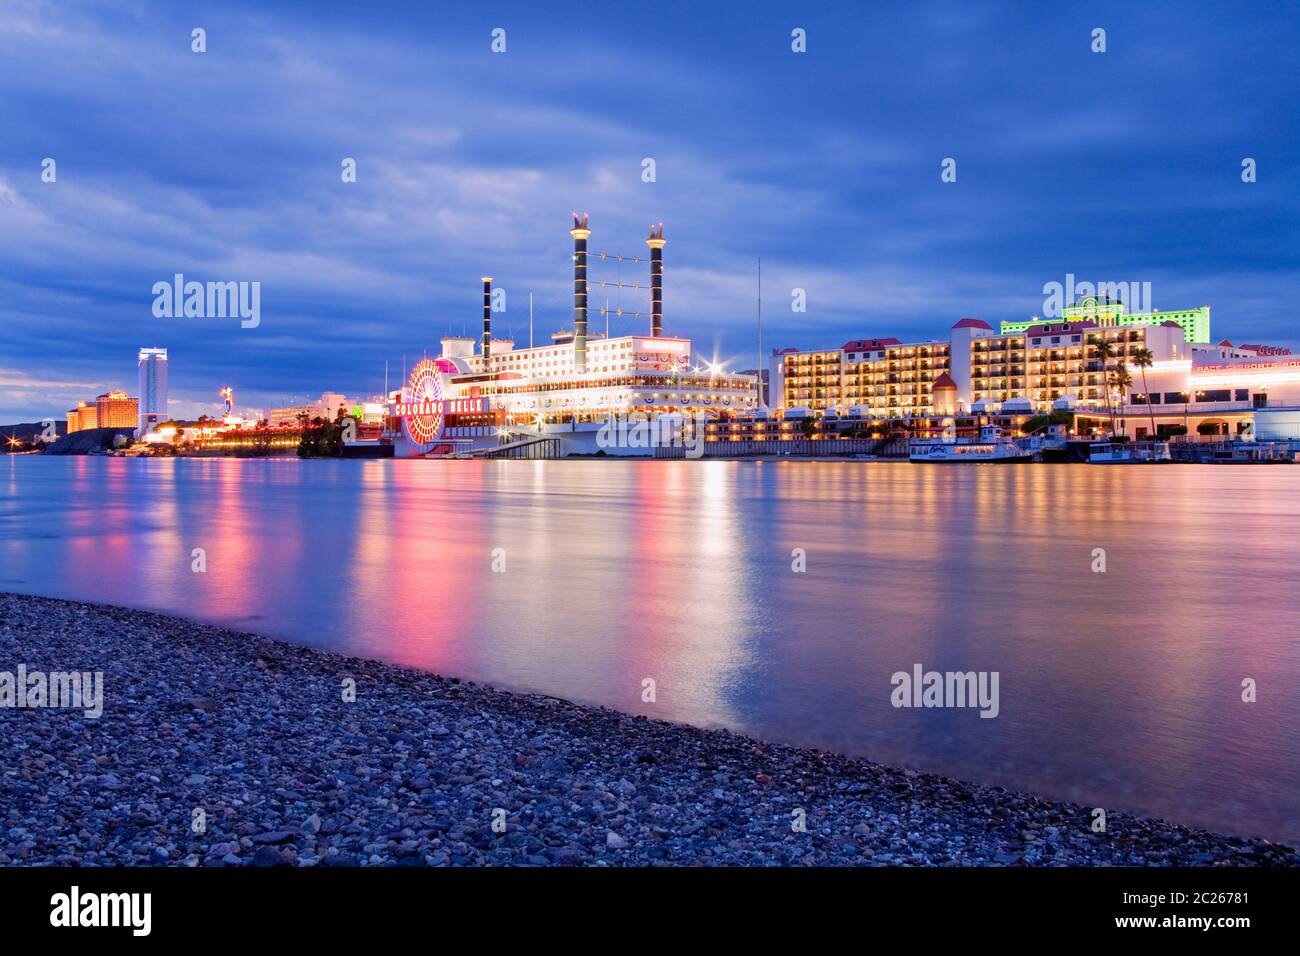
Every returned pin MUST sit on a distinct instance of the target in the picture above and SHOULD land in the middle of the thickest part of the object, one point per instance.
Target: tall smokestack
(656, 244)
(487, 323)
(580, 232)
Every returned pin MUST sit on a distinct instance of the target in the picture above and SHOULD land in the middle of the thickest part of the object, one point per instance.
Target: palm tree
(1104, 351)
(1143, 359)
(1122, 380)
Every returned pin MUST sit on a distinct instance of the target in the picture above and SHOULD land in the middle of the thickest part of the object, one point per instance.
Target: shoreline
(254, 732)
(770, 458)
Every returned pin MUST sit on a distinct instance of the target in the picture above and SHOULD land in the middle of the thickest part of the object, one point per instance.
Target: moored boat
(1126, 453)
(991, 446)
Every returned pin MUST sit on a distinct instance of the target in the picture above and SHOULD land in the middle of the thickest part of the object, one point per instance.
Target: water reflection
(1119, 689)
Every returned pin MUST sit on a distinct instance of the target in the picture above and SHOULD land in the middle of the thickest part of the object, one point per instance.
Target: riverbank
(256, 735)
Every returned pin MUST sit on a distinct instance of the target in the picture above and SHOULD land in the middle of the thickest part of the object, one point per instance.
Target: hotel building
(879, 378)
(1035, 367)
(1054, 361)
(116, 409)
(1106, 310)
(326, 407)
(82, 417)
(113, 409)
(151, 368)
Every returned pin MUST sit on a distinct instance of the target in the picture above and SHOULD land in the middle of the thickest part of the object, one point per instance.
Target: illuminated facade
(151, 370)
(1031, 364)
(1060, 360)
(82, 417)
(1194, 387)
(563, 389)
(326, 407)
(1108, 311)
(116, 409)
(624, 374)
(111, 410)
(1218, 390)
(883, 378)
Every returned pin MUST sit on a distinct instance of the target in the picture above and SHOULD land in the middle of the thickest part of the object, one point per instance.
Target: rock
(411, 776)
(272, 856)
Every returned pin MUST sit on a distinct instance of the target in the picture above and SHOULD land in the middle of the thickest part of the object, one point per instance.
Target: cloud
(225, 166)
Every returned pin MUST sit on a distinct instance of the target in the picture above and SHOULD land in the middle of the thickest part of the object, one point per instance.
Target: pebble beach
(221, 748)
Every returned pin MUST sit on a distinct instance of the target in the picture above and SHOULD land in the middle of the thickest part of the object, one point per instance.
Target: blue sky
(225, 166)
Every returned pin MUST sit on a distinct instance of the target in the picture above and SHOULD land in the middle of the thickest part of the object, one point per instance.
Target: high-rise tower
(151, 367)
(656, 244)
(580, 232)
(487, 323)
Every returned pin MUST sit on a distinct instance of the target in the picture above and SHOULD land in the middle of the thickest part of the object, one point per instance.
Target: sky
(1115, 166)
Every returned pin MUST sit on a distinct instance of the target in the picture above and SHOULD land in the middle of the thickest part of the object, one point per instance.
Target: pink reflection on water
(1119, 689)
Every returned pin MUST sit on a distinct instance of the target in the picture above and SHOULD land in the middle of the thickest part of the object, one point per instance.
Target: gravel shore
(256, 734)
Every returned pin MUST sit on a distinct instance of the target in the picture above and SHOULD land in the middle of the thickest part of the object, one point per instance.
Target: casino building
(1216, 390)
(485, 395)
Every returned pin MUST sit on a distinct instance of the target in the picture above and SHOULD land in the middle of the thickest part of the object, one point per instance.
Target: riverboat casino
(484, 393)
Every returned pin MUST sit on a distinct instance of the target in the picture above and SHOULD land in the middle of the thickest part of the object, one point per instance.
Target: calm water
(1119, 689)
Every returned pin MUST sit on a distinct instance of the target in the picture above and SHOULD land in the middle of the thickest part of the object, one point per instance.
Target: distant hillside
(88, 440)
(26, 433)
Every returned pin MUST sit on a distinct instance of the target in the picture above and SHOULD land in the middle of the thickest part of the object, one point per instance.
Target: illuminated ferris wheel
(424, 387)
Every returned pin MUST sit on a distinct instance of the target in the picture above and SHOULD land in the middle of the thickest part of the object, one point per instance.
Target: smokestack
(580, 232)
(656, 244)
(487, 323)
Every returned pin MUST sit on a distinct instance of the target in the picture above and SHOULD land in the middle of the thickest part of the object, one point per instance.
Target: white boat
(1126, 453)
(991, 446)
(1051, 438)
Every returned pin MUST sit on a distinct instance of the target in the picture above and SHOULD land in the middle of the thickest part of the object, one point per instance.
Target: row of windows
(1206, 395)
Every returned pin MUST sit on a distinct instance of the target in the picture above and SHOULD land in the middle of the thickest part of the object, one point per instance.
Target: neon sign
(421, 405)
(1245, 367)
(424, 410)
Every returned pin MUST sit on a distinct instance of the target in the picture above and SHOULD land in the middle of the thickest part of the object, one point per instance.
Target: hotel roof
(1056, 328)
(969, 323)
(864, 345)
